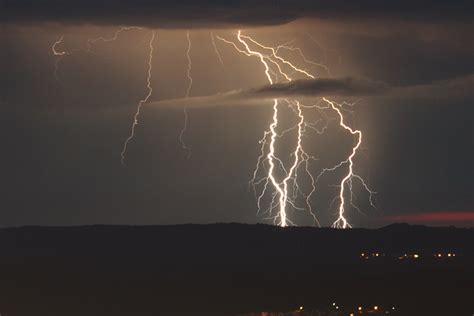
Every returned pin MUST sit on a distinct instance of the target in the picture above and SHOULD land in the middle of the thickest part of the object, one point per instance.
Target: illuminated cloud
(218, 13)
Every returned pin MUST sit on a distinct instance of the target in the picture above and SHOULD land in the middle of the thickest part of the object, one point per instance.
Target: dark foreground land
(233, 269)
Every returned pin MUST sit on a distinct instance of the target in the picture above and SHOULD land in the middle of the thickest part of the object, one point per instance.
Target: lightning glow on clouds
(275, 181)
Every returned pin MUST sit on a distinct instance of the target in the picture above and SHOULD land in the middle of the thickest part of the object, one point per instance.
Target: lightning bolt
(299, 155)
(279, 187)
(60, 55)
(302, 55)
(90, 43)
(140, 103)
(284, 180)
(188, 90)
(282, 198)
(218, 54)
(55, 45)
(116, 35)
(341, 221)
(325, 49)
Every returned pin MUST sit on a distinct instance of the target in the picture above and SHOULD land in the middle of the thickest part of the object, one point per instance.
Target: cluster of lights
(371, 255)
(335, 308)
(406, 256)
(437, 255)
(369, 310)
(373, 309)
(448, 255)
(360, 309)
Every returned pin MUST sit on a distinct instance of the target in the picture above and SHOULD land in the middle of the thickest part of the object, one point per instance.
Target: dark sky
(61, 142)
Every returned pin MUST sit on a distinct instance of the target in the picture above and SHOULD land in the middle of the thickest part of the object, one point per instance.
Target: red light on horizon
(433, 217)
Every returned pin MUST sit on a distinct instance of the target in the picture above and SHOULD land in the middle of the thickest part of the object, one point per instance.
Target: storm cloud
(225, 13)
(299, 88)
(318, 87)
(454, 89)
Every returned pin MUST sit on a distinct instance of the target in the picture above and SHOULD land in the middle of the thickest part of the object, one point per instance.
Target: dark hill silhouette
(224, 269)
(221, 241)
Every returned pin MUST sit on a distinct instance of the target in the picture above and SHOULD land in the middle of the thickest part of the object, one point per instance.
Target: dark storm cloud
(460, 87)
(453, 89)
(214, 13)
(319, 87)
(343, 87)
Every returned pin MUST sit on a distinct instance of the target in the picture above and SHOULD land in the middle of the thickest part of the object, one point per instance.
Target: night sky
(61, 140)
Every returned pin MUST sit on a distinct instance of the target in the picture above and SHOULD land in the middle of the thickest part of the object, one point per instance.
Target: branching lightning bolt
(60, 55)
(188, 90)
(54, 47)
(281, 183)
(281, 196)
(93, 41)
(213, 41)
(299, 154)
(341, 221)
(117, 33)
(140, 103)
(279, 187)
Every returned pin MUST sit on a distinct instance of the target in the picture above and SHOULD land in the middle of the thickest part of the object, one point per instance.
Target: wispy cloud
(330, 87)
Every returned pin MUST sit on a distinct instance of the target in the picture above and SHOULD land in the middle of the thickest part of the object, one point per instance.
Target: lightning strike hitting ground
(140, 103)
(188, 90)
(283, 179)
(341, 222)
(279, 187)
(281, 197)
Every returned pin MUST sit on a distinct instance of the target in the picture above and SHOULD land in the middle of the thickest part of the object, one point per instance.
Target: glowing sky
(62, 141)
